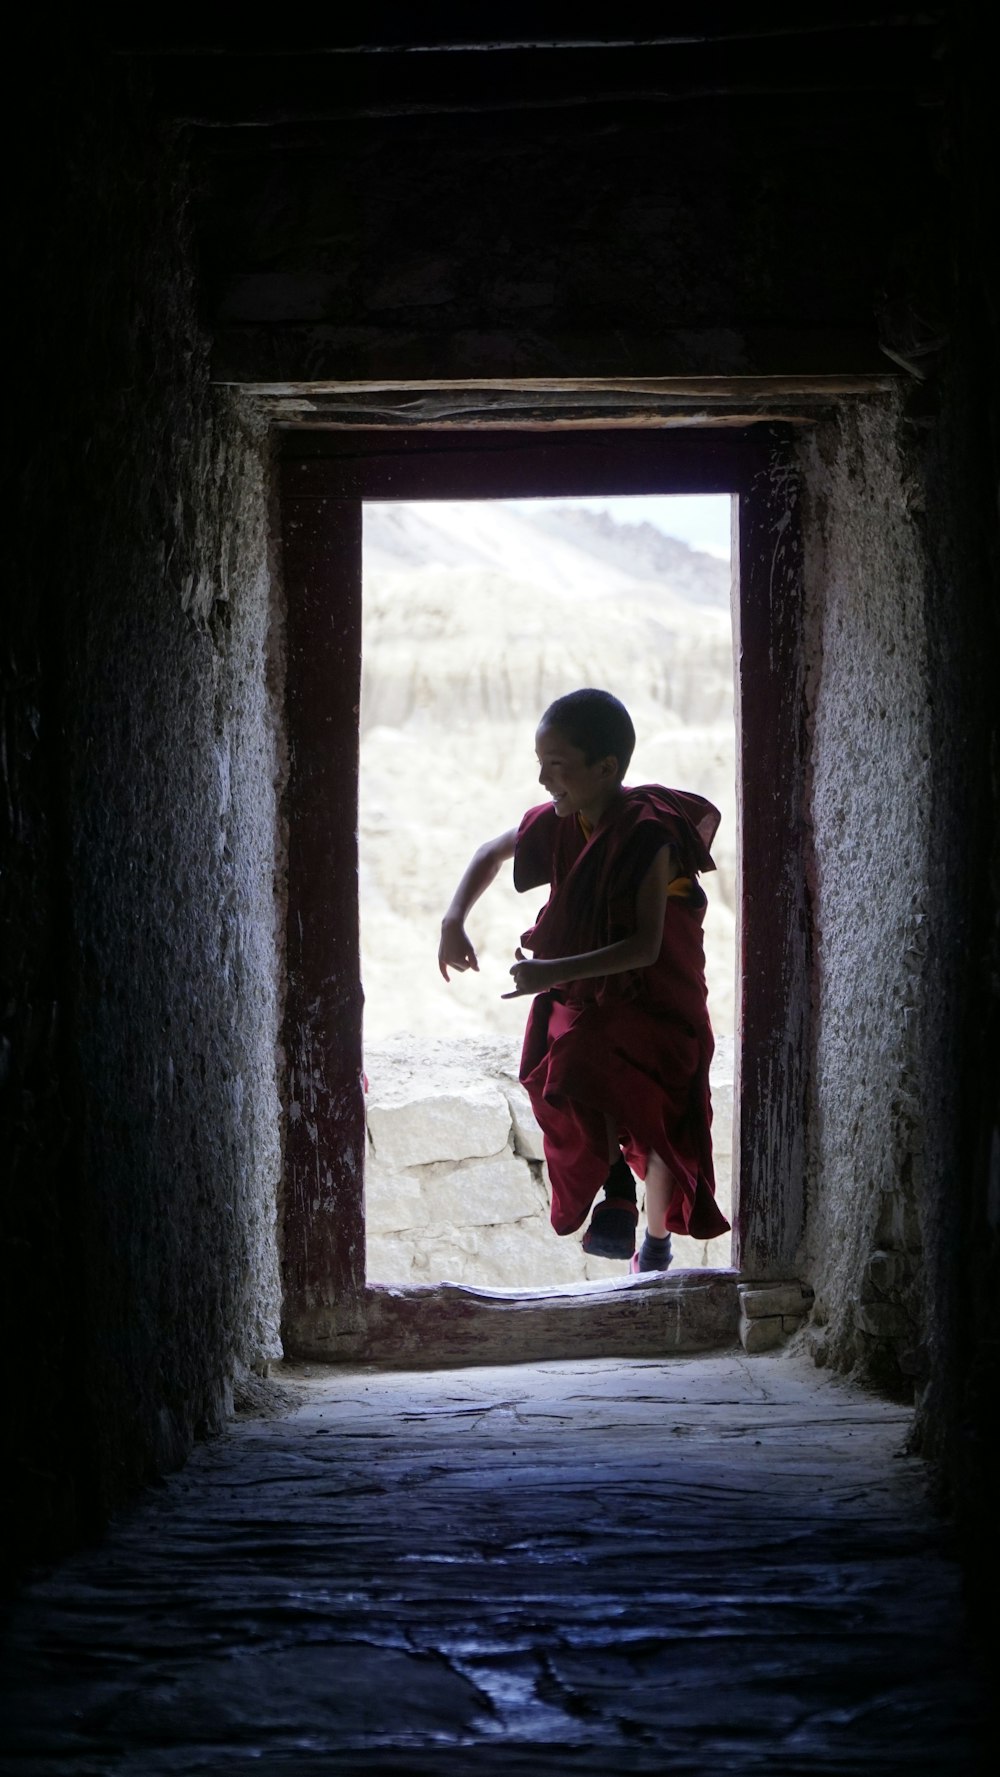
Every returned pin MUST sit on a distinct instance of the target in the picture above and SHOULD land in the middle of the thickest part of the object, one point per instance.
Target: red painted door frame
(329, 1311)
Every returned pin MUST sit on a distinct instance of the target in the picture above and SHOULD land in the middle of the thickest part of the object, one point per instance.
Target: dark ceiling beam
(280, 355)
(485, 46)
(248, 90)
(450, 29)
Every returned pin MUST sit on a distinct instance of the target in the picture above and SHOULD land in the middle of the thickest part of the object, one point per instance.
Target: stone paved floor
(721, 1564)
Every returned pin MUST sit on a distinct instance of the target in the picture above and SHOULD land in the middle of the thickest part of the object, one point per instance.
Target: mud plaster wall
(638, 240)
(869, 805)
(142, 1011)
(903, 552)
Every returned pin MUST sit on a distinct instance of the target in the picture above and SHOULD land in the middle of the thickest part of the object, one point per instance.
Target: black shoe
(611, 1234)
(653, 1255)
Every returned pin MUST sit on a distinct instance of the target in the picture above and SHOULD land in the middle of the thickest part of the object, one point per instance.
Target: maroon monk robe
(635, 1046)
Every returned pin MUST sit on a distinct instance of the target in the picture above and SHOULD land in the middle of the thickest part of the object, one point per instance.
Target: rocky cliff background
(478, 614)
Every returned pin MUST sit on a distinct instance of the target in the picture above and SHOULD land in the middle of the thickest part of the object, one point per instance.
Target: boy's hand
(530, 977)
(455, 950)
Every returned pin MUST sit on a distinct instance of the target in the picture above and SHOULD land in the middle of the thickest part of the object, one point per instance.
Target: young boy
(618, 1042)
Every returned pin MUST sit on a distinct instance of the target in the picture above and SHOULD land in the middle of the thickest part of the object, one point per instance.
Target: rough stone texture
(771, 1313)
(415, 1118)
(441, 1196)
(437, 1210)
(903, 561)
(485, 1192)
(869, 804)
(172, 880)
(142, 772)
(765, 1334)
(527, 1135)
(505, 1256)
(698, 1565)
(429, 247)
(774, 1299)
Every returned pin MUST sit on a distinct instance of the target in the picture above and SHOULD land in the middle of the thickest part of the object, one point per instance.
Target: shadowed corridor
(708, 1563)
(265, 277)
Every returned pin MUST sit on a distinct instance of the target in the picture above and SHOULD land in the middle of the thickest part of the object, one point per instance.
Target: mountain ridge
(532, 544)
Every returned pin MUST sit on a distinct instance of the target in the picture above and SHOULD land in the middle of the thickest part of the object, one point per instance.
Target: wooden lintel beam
(583, 391)
(526, 422)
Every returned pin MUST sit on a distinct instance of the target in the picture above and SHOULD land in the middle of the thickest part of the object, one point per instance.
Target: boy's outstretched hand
(455, 949)
(530, 976)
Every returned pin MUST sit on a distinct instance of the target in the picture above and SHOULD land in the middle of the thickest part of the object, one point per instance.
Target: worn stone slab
(452, 1196)
(511, 1255)
(652, 1567)
(527, 1134)
(518, 1260)
(497, 1190)
(782, 1298)
(763, 1334)
(411, 1123)
(394, 1201)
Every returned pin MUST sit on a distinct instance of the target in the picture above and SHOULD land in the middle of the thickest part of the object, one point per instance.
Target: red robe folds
(635, 1046)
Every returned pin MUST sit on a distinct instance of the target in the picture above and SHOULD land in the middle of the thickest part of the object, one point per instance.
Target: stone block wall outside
(456, 1187)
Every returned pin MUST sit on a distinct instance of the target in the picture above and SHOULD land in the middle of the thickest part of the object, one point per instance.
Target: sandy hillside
(476, 616)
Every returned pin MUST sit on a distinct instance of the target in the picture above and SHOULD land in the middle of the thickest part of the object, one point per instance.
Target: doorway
(476, 615)
(330, 1307)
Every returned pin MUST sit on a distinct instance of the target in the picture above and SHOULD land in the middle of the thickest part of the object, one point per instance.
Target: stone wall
(663, 239)
(141, 765)
(869, 701)
(455, 1183)
(904, 1217)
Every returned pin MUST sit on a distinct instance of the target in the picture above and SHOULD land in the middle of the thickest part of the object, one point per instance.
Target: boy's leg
(659, 1190)
(611, 1234)
(655, 1254)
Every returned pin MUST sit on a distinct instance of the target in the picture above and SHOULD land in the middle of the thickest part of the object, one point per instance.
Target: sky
(700, 520)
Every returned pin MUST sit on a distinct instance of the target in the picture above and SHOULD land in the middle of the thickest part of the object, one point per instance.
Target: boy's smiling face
(574, 786)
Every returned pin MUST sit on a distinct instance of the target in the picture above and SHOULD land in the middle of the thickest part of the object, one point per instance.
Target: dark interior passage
(235, 259)
(701, 1564)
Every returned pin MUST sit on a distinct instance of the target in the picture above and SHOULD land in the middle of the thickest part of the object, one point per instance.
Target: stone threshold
(432, 1325)
(428, 1326)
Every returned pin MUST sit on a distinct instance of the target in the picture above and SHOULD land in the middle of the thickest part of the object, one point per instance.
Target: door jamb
(329, 1310)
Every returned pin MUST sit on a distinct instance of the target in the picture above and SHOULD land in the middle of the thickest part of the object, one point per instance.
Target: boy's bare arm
(455, 951)
(638, 951)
